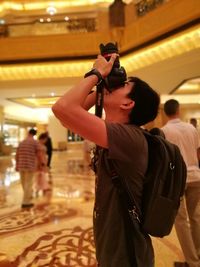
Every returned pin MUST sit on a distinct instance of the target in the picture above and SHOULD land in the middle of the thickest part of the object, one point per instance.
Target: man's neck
(120, 118)
(173, 117)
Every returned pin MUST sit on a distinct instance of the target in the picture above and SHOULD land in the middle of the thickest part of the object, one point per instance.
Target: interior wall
(1, 119)
(57, 132)
(190, 112)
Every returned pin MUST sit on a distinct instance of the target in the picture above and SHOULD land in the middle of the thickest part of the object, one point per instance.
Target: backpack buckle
(134, 213)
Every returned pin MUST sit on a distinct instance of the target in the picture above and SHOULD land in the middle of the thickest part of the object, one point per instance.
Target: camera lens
(117, 76)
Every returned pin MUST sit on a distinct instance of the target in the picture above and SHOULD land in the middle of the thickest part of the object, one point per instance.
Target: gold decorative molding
(35, 102)
(173, 46)
(27, 5)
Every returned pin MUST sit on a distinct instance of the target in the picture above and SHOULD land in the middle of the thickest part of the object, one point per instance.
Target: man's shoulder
(124, 131)
(28, 142)
(177, 123)
(124, 126)
(31, 141)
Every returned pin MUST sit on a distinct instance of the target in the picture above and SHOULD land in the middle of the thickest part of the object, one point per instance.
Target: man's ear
(128, 105)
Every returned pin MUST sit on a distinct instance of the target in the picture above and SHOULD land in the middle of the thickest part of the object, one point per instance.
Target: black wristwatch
(95, 72)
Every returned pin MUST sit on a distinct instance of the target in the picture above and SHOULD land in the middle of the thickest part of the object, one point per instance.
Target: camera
(117, 76)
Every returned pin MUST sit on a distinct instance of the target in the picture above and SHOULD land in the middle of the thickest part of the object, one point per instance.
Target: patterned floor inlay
(41, 214)
(67, 247)
(57, 231)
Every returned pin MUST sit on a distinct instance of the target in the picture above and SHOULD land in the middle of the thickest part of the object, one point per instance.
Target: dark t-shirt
(129, 152)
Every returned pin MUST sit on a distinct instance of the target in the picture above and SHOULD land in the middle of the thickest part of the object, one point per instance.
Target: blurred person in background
(187, 223)
(28, 156)
(193, 121)
(49, 148)
(42, 177)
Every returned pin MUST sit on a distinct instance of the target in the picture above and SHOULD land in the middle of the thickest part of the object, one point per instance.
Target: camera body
(117, 76)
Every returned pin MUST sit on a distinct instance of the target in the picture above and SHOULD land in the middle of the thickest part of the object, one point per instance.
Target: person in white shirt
(187, 223)
(193, 121)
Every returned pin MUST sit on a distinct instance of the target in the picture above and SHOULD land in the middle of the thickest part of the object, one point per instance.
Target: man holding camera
(128, 104)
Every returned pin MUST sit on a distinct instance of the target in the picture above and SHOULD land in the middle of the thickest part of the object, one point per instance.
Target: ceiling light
(51, 10)
(52, 102)
(2, 22)
(66, 18)
(48, 20)
(41, 20)
(182, 99)
(189, 86)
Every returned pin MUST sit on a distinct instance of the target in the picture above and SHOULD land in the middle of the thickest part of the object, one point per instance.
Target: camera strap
(99, 100)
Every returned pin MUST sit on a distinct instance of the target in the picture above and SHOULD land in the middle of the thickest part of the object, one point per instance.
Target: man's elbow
(57, 110)
(54, 109)
(61, 113)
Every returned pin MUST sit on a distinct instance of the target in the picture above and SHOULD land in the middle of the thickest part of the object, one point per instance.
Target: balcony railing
(52, 27)
(62, 24)
(144, 6)
(87, 33)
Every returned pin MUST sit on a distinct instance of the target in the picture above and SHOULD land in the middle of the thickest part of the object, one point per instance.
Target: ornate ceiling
(163, 58)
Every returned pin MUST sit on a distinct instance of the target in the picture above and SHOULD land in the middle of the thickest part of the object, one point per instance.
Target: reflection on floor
(58, 230)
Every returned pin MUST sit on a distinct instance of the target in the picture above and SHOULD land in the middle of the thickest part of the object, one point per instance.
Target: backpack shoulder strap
(123, 190)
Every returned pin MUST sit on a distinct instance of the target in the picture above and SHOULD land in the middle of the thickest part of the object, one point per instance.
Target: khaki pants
(27, 177)
(187, 224)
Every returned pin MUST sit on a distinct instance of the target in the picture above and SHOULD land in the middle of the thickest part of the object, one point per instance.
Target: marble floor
(58, 230)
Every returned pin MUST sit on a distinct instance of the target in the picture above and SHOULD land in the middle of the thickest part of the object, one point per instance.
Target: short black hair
(146, 100)
(42, 136)
(32, 132)
(171, 107)
(193, 121)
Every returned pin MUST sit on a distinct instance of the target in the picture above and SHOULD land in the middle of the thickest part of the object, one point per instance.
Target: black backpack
(164, 186)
